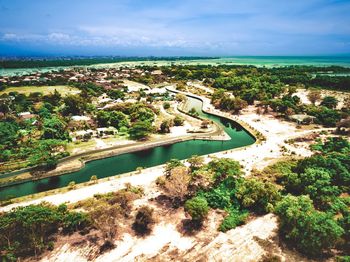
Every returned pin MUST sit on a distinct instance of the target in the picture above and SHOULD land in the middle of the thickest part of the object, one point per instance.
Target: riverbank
(76, 162)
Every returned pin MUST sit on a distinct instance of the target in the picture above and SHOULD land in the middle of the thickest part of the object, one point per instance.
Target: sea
(259, 61)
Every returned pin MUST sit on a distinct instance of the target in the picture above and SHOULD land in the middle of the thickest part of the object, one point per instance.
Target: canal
(147, 158)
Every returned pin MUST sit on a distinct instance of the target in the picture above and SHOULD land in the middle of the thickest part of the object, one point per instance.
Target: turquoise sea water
(268, 61)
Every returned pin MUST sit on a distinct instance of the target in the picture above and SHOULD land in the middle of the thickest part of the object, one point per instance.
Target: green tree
(140, 130)
(260, 196)
(165, 126)
(74, 104)
(225, 167)
(311, 231)
(197, 208)
(178, 121)
(54, 128)
(330, 102)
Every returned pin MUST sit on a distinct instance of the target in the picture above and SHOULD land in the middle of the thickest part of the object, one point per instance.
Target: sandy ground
(341, 96)
(134, 86)
(166, 243)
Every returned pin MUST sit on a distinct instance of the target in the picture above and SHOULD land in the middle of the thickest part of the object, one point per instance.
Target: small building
(302, 118)
(80, 118)
(82, 135)
(106, 131)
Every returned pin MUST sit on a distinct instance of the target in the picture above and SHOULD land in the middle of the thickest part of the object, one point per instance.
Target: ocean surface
(267, 61)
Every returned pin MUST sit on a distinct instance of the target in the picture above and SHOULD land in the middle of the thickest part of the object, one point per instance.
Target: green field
(63, 90)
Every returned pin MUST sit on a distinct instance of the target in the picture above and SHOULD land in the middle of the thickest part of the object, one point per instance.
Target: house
(106, 131)
(84, 135)
(302, 118)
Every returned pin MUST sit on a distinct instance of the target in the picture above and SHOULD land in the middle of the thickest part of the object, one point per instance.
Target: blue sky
(174, 27)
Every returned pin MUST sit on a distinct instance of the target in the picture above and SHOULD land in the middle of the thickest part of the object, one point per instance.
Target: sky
(174, 27)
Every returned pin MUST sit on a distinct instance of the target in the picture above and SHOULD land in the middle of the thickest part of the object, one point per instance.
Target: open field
(63, 90)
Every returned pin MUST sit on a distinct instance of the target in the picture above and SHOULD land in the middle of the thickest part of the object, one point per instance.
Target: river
(129, 162)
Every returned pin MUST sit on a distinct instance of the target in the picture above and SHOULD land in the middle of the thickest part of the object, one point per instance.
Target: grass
(63, 90)
(71, 147)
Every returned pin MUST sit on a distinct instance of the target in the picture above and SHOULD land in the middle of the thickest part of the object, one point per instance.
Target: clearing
(63, 90)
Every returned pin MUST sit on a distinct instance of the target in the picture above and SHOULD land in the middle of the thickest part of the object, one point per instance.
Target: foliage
(257, 195)
(178, 121)
(140, 130)
(54, 128)
(233, 219)
(176, 184)
(225, 167)
(197, 208)
(165, 126)
(311, 231)
(329, 102)
(26, 230)
(143, 220)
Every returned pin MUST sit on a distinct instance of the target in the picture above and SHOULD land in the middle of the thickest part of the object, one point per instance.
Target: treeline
(232, 76)
(56, 62)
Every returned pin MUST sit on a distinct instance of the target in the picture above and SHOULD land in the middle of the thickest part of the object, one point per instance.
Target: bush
(311, 231)
(166, 105)
(178, 121)
(257, 195)
(27, 230)
(143, 220)
(197, 208)
(233, 219)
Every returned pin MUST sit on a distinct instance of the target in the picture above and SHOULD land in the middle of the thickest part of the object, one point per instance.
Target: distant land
(35, 62)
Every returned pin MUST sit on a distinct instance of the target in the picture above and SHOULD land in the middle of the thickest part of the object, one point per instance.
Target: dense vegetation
(72, 61)
(30, 230)
(310, 196)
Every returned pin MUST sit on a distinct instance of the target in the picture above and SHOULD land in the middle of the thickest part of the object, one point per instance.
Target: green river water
(129, 162)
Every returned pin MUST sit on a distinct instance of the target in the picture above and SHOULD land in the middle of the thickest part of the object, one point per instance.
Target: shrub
(166, 105)
(233, 219)
(197, 208)
(143, 220)
(311, 231)
(178, 121)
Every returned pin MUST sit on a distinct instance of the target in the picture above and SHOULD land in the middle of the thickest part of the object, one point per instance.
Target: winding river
(130, 161)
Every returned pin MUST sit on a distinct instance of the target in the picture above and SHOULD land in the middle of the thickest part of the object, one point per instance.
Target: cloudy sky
(174, 27)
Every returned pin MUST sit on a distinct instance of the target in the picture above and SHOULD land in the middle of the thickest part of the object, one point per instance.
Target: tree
(140, 130)
(54, 128)
(74, 104)
(176, 184)
(311, 231)
(314, 96)
(166, 105)
(205, 123)
(165, 126)
(329, 102)
(195, 162)
(143, 220)
(8, 132)
(178, 121)
(197, 208)
(140, 112)
(180, 97)
(170, 165)
(106, 217)
(257, 195)
(225, 167)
